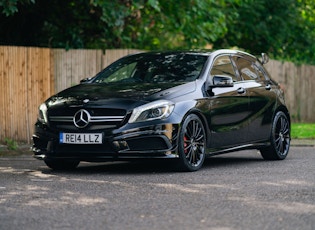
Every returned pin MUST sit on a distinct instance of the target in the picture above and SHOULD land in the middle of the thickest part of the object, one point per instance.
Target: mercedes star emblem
(81, 118)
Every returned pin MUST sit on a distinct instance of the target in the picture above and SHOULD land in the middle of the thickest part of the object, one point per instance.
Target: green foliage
(10, 7)
(11, 144)
(160, 24)
(274, 26)
(284, 29)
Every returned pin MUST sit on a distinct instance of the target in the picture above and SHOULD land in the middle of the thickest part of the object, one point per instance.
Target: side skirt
(213, 152)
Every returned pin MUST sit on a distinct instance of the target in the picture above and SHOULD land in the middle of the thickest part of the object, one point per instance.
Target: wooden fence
(25, 81)
(299, 86)
(28, 76)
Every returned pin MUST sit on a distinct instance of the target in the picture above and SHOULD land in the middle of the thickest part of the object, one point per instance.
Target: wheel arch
(279, 136)
(285, 110)
(281, 108)
(203, 120)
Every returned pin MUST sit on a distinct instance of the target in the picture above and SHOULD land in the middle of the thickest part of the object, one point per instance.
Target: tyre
(61, 164)
(191, 144)
(279, 138)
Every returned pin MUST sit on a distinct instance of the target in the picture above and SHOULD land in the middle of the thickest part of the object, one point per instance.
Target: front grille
(99, 118)
(92, 119)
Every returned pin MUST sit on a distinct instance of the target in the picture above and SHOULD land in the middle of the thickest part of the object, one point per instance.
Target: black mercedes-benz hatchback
(184, 105)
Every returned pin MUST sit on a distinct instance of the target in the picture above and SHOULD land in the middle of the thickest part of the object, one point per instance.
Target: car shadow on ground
(155, 165)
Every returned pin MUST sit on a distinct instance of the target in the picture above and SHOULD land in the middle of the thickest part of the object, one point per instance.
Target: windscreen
(154, 67)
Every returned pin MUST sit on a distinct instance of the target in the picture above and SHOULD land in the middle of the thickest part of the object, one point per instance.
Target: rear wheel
(62, 164)
(192, 144)
(279, 139)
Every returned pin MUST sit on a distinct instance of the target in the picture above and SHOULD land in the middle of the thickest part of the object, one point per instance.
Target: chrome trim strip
(92, 118)
(61, 118)
(106, 118)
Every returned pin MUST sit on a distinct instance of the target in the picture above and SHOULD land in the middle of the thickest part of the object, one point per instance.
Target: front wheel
(61, 164)
(191, 144)
(279, 138)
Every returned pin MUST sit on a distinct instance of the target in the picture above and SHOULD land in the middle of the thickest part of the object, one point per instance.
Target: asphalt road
(233, 191)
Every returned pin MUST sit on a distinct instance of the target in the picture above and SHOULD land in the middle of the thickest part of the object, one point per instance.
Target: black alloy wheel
(280, 138)
(62, 164)
(192, 144)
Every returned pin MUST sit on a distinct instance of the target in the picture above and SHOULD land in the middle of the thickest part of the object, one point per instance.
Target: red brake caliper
(185, 145)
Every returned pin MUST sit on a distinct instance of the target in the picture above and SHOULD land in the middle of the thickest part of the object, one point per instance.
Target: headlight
(42, 114)
(151, 111)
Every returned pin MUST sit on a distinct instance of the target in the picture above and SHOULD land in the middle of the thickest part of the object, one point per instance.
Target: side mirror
(222, 81)
(86, 80)
(264, 58)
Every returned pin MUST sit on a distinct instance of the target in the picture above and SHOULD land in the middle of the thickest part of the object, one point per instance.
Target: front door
(229, 108)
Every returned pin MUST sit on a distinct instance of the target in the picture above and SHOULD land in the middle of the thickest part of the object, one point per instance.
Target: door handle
(241, 90)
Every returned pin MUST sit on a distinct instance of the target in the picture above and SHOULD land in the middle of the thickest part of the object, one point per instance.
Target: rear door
(261, 95)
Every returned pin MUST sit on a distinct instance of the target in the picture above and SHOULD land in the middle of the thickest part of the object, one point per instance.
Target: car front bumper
(151, 141)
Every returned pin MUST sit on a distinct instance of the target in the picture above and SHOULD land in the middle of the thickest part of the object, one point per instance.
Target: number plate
(80, 138)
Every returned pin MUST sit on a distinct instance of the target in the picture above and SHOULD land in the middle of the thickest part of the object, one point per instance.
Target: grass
(303, 130)
(11, 144)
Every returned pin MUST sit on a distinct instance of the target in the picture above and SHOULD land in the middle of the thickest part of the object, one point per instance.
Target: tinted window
(171, 67)
(246, 69)
(260, 72)
(223, 66)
